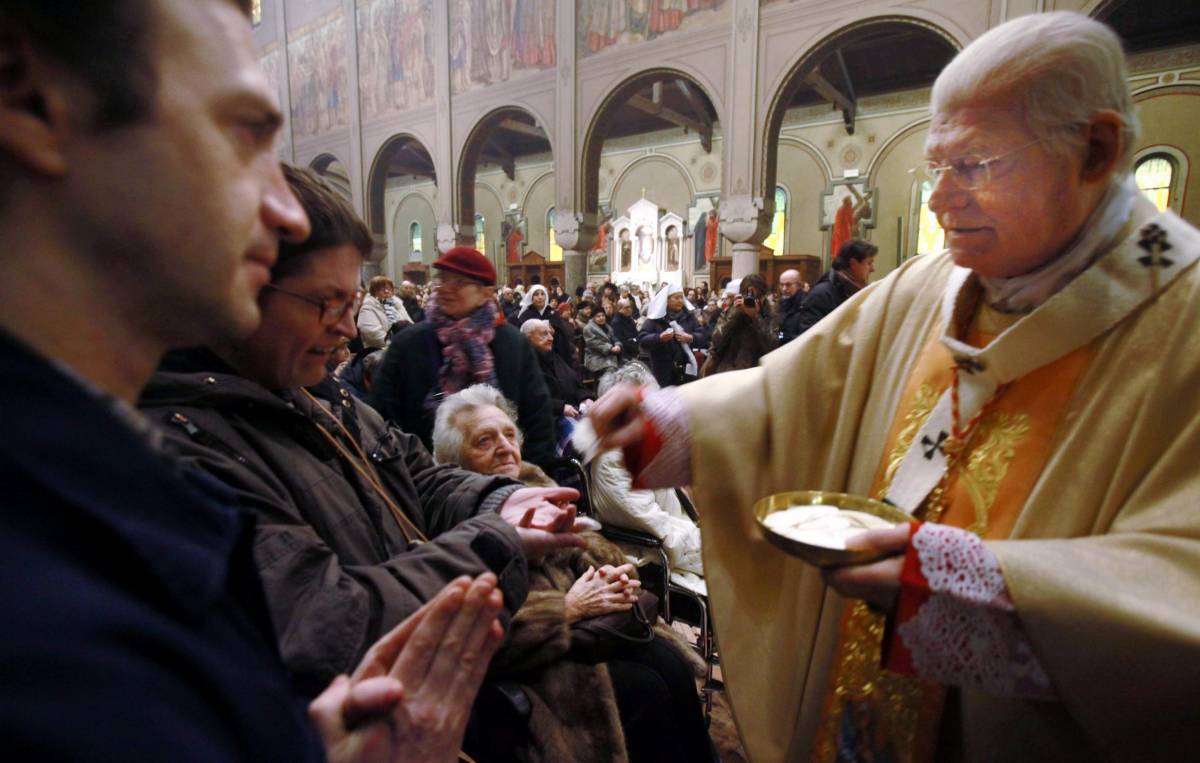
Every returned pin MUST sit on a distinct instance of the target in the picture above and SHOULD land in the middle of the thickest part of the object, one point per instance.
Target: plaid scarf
(466, 346)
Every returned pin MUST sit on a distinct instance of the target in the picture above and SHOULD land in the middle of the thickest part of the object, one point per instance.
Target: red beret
(468, 262)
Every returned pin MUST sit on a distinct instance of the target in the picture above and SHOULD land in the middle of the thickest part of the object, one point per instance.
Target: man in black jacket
(852, 268)
(793, 292)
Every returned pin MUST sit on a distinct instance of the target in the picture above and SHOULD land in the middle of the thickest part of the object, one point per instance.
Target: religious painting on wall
(847, 210)
(626, 250)
(602, 24)
(672, 256)
(395, 55)
(490, 40)
(317, 76)
(514, 231)
(598, 256)
(702, 221)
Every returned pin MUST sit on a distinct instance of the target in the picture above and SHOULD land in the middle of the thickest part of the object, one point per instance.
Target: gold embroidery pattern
(887, 711)
(884, 709)
(922, 405)
(987, 464)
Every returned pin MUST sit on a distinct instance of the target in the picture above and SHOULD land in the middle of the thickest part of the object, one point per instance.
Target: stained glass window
(556, 252)
(480, 236)
(931, 239)
(414, 241)
(776, 240)
(1153, 177)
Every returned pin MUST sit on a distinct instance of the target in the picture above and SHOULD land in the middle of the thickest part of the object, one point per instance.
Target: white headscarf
(658, 305)
(527, 300)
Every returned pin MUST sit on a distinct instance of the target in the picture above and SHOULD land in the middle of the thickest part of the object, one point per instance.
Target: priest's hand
(617, 417)
(877, 583)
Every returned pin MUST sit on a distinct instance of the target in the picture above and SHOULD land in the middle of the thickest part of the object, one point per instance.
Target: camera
(749, 300)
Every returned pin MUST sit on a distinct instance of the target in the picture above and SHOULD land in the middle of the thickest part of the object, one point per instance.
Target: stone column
(287, 151)
(745, 216)
(574, 231)
(448, 235)
(746, 223)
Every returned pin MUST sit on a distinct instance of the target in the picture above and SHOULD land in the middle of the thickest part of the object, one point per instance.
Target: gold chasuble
(1081, 475)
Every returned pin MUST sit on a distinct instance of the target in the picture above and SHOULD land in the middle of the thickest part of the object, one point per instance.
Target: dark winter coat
(625, 330)
(413, 307)
(562, 382)
(337, 567)
(738, 342)
(667, 359)
(830, 291)
(408, 376)
(135, 626)
(790, 314)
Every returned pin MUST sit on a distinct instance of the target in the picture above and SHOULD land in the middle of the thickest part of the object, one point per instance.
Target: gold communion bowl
(822, 555)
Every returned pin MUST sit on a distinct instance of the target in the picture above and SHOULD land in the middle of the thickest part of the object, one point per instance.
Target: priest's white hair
(1062, 67)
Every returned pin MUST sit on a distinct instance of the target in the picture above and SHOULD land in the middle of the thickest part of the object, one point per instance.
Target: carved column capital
(574, 231)
(744, 220)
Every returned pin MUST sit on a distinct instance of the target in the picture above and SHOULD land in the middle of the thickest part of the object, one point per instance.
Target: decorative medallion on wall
(708, 172)
(850, 156)
(512, 196)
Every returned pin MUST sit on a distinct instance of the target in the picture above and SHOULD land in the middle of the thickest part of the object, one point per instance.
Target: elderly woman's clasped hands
(601, 591)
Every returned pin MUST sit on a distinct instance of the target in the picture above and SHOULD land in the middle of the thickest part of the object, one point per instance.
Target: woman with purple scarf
(464, 340)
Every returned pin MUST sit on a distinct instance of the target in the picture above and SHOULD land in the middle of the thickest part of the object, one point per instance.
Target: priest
(1028, 396)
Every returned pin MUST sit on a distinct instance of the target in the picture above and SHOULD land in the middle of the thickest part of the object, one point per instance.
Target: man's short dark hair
(106, 43)
(334, 222)
(853, 250)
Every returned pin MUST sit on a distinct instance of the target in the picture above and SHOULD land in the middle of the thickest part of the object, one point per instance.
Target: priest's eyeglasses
(970, 172)
(332, 310)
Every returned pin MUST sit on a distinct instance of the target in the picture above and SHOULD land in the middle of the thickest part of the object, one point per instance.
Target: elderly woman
(601, 349)
(671, 334)
(381, 313)
(657, 512)
(536, 304)
(567, 395)
(642, 701)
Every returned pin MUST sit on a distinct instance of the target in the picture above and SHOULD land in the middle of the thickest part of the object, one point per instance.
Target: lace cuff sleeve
(954, 621)
(664, 456)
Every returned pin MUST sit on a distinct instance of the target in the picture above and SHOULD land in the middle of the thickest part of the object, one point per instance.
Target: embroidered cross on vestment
(932, 446)
(1154, 242)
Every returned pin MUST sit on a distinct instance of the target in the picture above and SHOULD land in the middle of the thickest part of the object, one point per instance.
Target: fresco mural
(317, 76)
(490, 40)
(395, 55)
(602, 24)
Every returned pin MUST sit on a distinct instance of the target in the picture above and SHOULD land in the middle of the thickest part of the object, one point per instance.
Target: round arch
(610, 104)
(472, 149)
(413, 207)
(377, 177)
(792, 79)
(673, 162)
